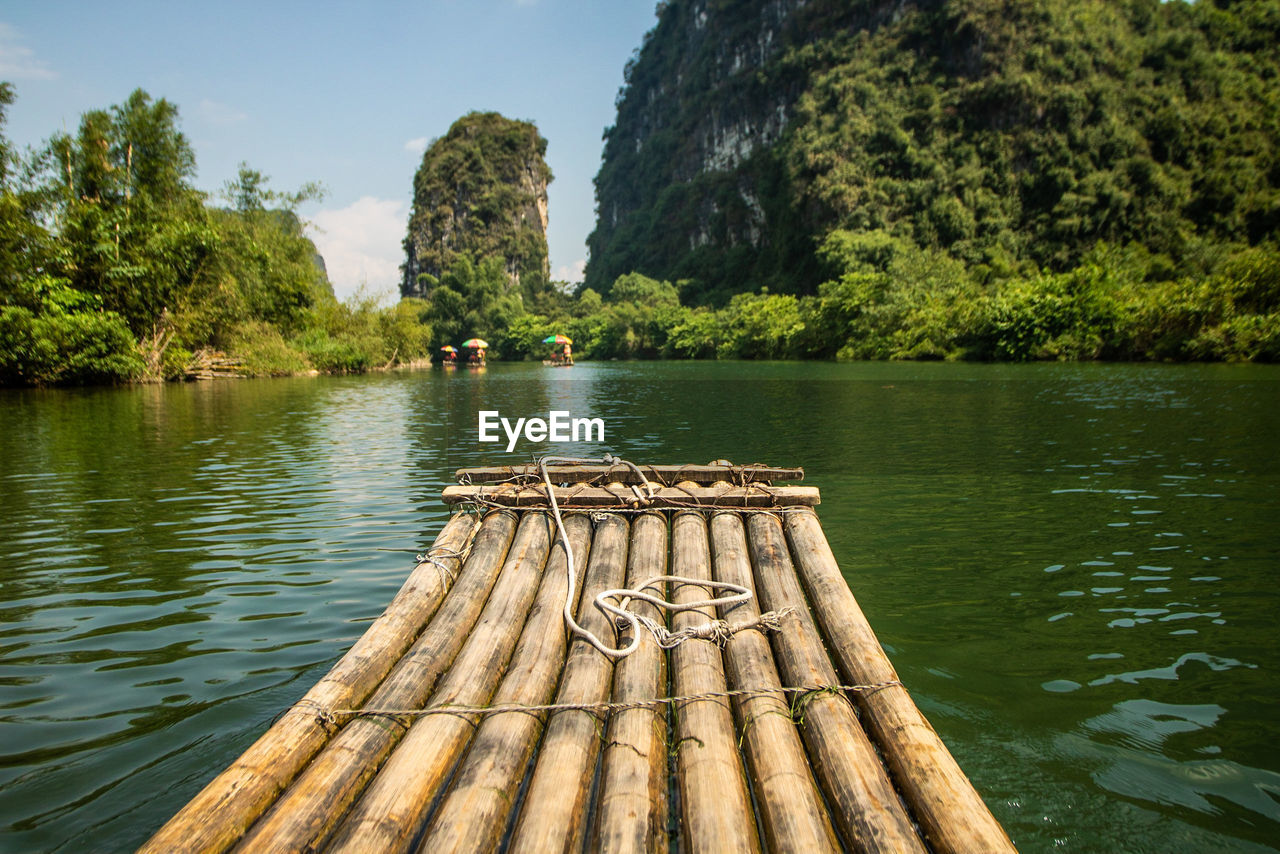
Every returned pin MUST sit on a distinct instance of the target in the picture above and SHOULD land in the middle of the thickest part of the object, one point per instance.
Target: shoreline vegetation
(114, 268)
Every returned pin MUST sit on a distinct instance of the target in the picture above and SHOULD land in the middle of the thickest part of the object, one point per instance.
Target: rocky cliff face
(781, 143)
(480, 192)
(688, 174)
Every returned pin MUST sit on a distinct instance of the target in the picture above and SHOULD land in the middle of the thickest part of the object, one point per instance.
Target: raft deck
(466, 719)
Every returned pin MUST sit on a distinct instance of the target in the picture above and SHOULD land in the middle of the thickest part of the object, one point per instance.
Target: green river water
(1074, 568)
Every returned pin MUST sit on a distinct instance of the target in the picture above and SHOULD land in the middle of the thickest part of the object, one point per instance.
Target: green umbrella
(476, 342)
(557, 339)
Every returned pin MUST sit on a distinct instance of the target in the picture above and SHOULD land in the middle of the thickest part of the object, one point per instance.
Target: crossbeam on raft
(710, 473)
(618, 496)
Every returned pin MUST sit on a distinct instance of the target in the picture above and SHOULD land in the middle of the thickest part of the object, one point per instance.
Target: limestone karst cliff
(481, 192)
(688, 173)
(780, 143)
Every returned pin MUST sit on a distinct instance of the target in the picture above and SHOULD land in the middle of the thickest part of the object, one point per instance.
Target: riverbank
(1122, 305)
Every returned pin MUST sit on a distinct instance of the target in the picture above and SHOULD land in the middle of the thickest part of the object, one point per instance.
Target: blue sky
(347, 94)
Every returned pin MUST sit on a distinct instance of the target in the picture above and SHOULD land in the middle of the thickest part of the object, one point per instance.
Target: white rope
(615, 602)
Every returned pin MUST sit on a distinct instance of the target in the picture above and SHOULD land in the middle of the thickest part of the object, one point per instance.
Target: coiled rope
(615, 602)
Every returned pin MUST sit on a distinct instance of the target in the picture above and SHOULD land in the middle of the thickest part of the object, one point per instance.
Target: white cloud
(574, 273)
(17, 61)
(417, 146)
(216, 113)
(361, 245)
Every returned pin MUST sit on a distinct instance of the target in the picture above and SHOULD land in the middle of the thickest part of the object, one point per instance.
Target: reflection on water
(1071, 566)
(1154, 754)
(174, 559)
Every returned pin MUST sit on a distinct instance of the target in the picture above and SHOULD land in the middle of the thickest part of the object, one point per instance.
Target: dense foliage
(927, 306)
(481, 192)
(1024, 134)
(114, 267)
(1003, 142)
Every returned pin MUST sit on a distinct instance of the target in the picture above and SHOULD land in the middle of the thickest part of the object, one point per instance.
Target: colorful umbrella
(557, 339)
(476, 342)
(449, 348)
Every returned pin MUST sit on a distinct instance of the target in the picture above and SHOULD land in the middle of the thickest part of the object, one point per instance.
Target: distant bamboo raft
(465, 719)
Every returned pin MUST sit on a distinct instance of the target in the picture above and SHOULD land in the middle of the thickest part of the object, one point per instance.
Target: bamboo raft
(467, 719)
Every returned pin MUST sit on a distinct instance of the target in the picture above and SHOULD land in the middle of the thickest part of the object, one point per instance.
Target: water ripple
(1072, 567)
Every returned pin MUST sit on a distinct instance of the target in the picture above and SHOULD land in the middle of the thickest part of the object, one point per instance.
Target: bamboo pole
(631, 806)
(474, 813)
(866, 809)
(950, 811)
(308, 809)
(581, 495)
(581, 473)
(552, 817)
(787, 797)
(220, 814)
(395, 806)
(714, 799)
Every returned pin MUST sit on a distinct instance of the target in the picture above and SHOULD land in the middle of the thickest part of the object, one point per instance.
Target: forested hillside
(1002, 180)
(1010, 136)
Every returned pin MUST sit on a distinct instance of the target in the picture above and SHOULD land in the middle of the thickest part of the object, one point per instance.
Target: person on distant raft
(568, 354)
